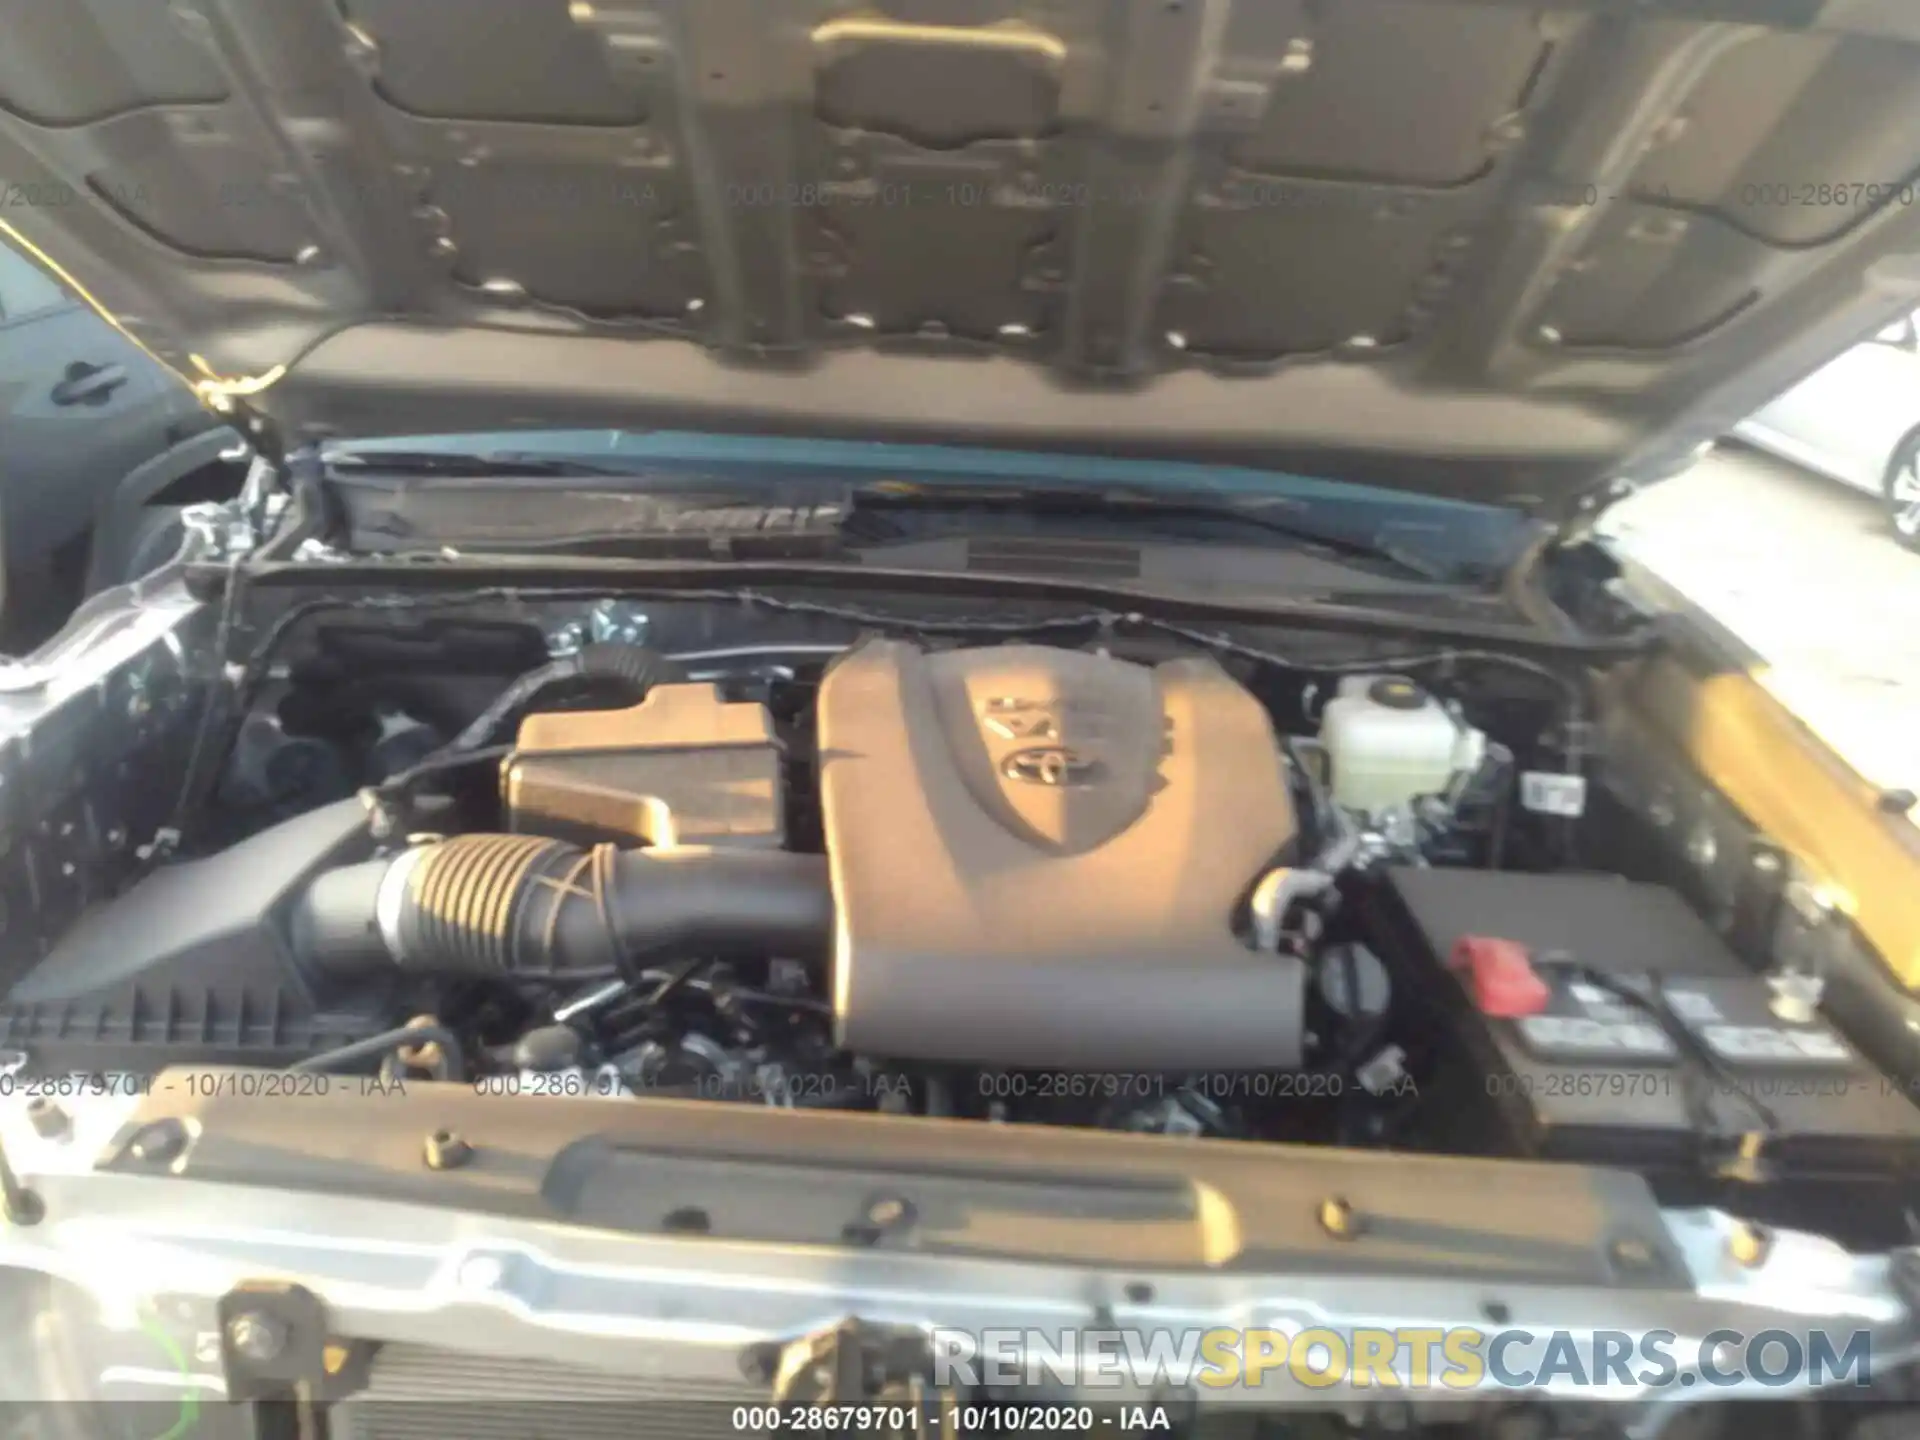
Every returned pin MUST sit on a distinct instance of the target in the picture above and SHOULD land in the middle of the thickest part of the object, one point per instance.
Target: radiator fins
(416, 1391)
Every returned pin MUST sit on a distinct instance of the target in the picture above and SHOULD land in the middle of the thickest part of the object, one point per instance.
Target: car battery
(1599, 1020)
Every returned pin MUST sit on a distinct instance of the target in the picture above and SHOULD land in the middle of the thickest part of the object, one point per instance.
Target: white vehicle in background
(1857, 419)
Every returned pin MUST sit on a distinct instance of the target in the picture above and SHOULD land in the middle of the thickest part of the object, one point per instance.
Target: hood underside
(1496, 250)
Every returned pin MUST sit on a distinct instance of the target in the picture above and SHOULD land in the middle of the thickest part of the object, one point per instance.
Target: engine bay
(1157, 882)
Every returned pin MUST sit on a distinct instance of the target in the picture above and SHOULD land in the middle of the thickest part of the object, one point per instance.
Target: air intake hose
(524, 905)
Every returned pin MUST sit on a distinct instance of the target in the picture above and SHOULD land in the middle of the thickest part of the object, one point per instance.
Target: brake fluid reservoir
(1388, 740)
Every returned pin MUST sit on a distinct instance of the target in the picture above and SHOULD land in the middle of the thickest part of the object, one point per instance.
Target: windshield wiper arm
(482, 465)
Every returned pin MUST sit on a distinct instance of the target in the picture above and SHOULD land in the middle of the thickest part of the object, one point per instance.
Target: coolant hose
(522, 905)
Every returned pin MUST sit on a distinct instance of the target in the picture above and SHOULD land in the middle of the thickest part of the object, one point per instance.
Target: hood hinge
(230, 399)
(240, 526)
(236, 528)
(1577, 521)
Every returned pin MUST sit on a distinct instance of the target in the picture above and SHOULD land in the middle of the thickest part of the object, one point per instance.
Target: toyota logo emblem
(1053, 765)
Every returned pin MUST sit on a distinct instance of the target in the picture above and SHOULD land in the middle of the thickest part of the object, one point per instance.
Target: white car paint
(1787, 564)
(1849, 418)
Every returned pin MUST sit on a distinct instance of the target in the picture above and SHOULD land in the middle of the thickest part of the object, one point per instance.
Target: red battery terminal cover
(1499, 976)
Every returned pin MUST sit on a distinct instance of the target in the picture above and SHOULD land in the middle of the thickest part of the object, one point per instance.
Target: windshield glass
(1433, 536)
(933, 463)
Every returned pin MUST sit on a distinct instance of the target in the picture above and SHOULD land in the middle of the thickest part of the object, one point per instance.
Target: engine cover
(1036, 856)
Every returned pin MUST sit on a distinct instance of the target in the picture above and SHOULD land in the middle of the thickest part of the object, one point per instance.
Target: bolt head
(1749, 1245)
(567, 640)
(159, 1143)
(1338, 1218)
(447, 1150)
(49, 1121)
(257, 1336)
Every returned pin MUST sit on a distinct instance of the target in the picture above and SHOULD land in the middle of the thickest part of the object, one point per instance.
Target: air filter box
(683, 767)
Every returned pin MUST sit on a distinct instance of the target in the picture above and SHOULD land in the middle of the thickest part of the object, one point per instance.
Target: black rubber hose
(637, 668)
(379, 1047)
(524, 906)
(633, 669)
